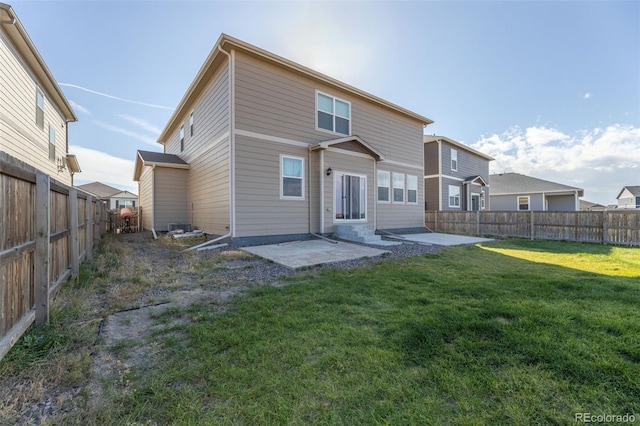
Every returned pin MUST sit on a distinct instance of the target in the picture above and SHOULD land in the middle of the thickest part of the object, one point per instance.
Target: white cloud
(601, 160)
(141, 123)
(142, 138)
(98, 166)
(79, 107)
(587, 96)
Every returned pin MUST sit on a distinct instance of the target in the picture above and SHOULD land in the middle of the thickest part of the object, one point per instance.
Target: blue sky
(550, 89)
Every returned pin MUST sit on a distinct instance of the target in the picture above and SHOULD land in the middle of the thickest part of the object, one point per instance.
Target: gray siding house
(34, 113)
(273, 150)
(113, 198)
(456, 177)
(518, 192)
(629, 198)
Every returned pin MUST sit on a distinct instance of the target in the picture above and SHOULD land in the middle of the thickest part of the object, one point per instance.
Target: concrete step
(358, 233)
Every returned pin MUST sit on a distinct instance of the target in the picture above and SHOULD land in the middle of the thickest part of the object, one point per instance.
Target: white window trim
(528, 197)
(318, 128)
(449, 196)
(364, 187)
(482, 200)
(288, 197)
(454, 152)
(404, 188)
(388, 187)
(406, 183)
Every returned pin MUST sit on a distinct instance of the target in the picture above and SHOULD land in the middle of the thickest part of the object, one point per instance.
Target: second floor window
(454, 160)
(333, 114)
(181, 138)
(191, 124)
(39, 108)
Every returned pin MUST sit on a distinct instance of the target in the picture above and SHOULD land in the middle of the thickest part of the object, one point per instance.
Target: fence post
(532, 228)
(89, 228)
(477, 223)
(42, 255)
(74, 250)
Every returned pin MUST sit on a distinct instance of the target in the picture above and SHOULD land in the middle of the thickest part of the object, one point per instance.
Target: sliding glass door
(350, 197)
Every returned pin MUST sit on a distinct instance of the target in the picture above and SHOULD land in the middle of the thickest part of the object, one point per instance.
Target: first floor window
(384, 186)
(398, 188)
(412, 189)
(52, 143)
(454, 196)
(291, 177)
(523, 203)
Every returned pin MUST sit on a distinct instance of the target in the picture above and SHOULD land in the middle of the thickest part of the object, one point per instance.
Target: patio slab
(313, 252)
(438, 239)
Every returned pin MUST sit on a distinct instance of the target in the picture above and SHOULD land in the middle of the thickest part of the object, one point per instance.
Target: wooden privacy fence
(46, 230)
(606, 227)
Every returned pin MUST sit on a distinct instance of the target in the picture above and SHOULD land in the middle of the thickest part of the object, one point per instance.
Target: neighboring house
(456, 177)
(273, 150)
(588, 206)
(34, 113)
(515, 191)
(114, 198)
(629, 198)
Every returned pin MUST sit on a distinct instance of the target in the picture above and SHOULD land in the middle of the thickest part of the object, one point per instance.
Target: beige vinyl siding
(211, 119)
(275, 102)
(20, 136)
(170, 197)
(406, 215)
(259, 209)
(343, 162)
(209, 190)
(145, 197)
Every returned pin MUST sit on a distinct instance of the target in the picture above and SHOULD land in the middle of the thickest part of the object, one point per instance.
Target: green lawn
(514, 332)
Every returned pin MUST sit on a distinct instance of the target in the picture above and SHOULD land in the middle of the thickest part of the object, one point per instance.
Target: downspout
(322, 191)
(232, 144)
(375, 195)
(439, 175)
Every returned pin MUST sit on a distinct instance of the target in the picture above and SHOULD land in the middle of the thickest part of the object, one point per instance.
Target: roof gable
(150, 158)
(378, 155)
(433, 138)
(217, 58)
(633, 190)
(516, 183)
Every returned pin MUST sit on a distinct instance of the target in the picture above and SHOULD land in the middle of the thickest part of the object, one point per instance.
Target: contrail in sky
(114, 97)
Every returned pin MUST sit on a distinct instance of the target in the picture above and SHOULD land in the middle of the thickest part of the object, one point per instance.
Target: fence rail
(46, 230)
(607, 227)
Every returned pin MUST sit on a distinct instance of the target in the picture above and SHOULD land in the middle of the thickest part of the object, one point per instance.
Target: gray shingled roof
(516, 183)
(160, 158)
(99, 189)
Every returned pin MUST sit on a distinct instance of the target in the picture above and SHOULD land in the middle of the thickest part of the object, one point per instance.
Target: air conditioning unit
(186, 227)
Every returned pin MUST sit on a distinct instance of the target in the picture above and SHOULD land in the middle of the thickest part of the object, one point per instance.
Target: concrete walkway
(443, 239)
(313, 252)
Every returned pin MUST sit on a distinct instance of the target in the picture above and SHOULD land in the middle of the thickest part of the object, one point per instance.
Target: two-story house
(113, 198)
(261, 148)
(456, 176)
(629, 197)
(34, 113)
